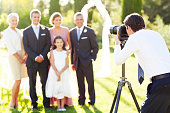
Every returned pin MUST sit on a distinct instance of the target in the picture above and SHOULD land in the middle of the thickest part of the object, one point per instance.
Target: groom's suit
(83, 52)
(34, 47)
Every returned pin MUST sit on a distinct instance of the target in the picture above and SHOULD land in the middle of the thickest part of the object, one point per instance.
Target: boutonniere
(85, 30)
(43, 27)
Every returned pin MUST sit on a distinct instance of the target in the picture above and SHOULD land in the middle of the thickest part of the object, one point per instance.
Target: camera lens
(113, 29)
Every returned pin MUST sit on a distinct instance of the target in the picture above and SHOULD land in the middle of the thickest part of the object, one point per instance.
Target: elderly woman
(13, 39)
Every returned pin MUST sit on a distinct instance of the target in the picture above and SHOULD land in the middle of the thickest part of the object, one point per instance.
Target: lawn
(105, 88)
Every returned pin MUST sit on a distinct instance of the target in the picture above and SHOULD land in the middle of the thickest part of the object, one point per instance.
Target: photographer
(153, 56)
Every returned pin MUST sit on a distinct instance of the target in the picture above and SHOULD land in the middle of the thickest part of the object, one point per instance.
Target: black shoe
(34, 108)
(91, 104)
(81, 103)
(48, 107)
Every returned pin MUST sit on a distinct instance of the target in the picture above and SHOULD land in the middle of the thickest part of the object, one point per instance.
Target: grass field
(105, 88)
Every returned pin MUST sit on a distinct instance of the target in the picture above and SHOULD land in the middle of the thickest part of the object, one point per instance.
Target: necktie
(140, 74)
(78, 34)
(37, 31)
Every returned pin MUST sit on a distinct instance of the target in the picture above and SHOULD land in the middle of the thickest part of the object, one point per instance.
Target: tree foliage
(22, 7)
(41, 6)
(78, 5)
(3, 22)
(9, 6)
(157, 7)
(54, 6)
(130, 6)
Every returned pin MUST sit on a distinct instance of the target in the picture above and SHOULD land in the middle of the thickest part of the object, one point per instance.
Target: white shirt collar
(35, 25)
(81, 29)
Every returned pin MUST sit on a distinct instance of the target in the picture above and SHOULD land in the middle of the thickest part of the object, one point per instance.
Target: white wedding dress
(67, 86)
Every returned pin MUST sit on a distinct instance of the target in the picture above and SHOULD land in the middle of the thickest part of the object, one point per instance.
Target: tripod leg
(133, 96)
(111, 110)
(118, 97)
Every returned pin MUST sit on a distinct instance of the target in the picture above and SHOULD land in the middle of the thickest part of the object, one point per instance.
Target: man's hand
(117, 41)
(73, 68)
(39, 59)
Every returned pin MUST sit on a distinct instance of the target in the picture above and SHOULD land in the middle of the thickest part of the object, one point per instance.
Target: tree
(41, 6)
(78, 5)
(24, 18)
(9, 6)
(54, 6)
(130, 6)
(22, 7)
(0, 7)
(157, 7)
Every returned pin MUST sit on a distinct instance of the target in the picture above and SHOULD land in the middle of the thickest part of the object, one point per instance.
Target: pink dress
(64, 34)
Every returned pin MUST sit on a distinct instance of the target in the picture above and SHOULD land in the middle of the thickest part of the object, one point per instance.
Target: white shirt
(150, 50)
(81, 29)
(13, 40)
(36, 30)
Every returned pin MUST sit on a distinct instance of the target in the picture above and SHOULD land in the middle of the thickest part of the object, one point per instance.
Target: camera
(123, 36)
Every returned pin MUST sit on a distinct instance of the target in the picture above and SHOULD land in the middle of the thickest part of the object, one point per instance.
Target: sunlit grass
(105, 88)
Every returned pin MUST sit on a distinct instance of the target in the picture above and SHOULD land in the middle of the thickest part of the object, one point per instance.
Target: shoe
(48, 107)
(59, 109)
(81, 103)
(34, 108)
(16, 104)
(91, 104)
(11, 105)
(63, 109)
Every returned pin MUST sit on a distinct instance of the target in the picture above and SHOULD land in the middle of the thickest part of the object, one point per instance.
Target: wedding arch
(105, 61)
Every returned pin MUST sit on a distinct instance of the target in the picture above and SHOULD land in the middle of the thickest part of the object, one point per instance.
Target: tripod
(122, 83)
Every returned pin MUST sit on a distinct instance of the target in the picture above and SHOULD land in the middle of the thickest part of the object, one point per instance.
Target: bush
(3, 22)
(159, 26)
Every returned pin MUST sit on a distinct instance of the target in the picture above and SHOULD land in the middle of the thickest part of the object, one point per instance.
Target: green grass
(105, 88)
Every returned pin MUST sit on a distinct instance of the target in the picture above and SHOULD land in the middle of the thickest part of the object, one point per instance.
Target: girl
(60, 82)
(59, 30)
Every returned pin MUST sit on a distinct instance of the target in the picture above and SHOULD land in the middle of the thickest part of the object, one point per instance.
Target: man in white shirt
(37, 42)
(153, 56)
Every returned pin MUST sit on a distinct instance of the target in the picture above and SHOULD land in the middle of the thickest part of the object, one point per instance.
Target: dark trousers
(158, 97)
(43, 73)
(82, 72)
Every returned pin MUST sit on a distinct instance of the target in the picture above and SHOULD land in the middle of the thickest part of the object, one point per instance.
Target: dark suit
(34, 47)
(83, 51)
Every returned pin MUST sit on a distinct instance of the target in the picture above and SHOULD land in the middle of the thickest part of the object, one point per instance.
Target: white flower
(43, 27)
(85, 30)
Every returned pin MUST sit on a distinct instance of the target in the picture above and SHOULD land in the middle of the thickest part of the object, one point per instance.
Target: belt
(162, 76)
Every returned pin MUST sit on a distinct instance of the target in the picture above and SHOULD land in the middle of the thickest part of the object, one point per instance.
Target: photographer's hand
(117, 41)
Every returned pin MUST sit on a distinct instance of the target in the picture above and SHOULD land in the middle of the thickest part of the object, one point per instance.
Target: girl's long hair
(58, 37)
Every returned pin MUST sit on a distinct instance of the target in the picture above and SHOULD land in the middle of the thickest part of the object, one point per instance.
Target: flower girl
(60, 82)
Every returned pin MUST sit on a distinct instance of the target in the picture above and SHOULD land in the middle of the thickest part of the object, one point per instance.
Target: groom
(84, 50)
(36, 40)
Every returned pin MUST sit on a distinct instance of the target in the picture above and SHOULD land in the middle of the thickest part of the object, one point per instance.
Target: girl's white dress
(66, 87)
